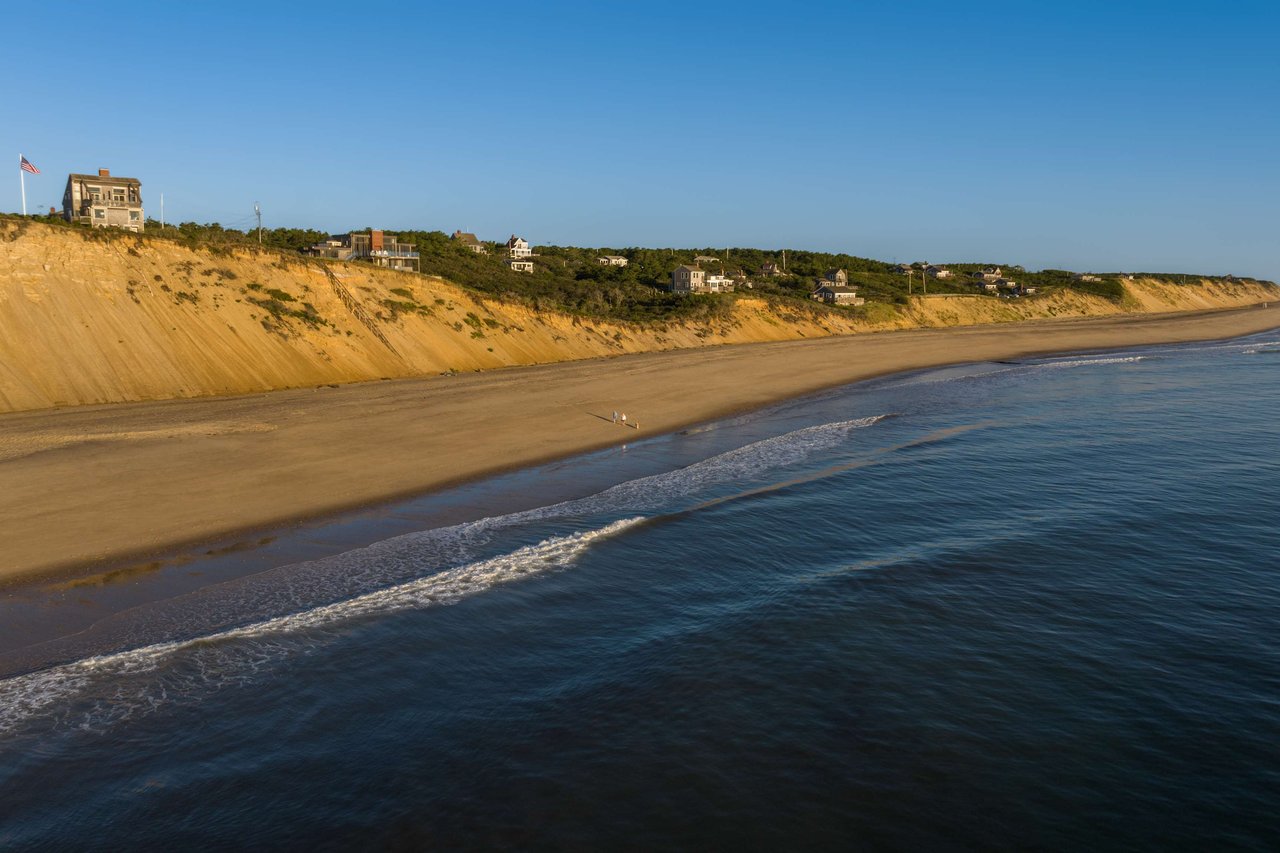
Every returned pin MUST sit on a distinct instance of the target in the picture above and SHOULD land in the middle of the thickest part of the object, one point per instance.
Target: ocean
(998, 605)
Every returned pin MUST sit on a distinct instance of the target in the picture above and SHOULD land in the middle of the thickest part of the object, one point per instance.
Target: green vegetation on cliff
(571, 279)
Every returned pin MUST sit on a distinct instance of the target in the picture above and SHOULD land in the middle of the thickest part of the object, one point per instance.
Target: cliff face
(95, 321)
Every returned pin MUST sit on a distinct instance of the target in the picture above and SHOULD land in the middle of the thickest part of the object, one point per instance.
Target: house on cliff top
(518, 247)
(378, 247)
(466, 238)
(101, 201)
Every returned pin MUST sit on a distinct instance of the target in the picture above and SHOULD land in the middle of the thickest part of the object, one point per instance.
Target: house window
(99, 213)
(133, 216)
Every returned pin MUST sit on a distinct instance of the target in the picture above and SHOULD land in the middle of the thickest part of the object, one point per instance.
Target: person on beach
(624, 418)
(615, 416)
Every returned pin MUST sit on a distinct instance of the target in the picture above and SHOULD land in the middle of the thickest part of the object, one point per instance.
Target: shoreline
(90, 490)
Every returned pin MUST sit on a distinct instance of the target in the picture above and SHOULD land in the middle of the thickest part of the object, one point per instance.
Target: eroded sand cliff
(110, 320)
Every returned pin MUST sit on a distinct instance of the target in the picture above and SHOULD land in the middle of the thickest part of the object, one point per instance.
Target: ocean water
(1015, 605)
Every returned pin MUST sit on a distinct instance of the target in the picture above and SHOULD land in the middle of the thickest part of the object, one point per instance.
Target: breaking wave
(99, 685)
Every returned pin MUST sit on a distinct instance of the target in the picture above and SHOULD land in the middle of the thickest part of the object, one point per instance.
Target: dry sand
(87, 487)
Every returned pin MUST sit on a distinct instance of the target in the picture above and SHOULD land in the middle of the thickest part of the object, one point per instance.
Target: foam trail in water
(25, 696)
(1084, 362)
(1022, 368)
(660, 490)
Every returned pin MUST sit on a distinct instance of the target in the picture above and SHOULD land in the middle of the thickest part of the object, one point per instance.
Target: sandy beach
(85, 488)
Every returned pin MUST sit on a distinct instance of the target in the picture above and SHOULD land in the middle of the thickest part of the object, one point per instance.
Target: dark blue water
(994, 606)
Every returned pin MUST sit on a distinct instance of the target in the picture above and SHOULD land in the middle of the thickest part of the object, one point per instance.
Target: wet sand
(83, 489)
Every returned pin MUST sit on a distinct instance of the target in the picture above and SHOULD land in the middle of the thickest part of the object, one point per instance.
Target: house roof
(465, 237)
(103, 179)
(838, 288)
(694, 268)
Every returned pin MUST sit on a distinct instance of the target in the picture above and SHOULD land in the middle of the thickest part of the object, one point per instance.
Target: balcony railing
(110, 202)
(385, 253)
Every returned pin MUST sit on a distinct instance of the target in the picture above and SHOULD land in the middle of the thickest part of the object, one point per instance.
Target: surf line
(23, 696)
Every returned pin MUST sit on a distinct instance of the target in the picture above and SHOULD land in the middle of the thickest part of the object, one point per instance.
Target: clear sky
(1083, 135)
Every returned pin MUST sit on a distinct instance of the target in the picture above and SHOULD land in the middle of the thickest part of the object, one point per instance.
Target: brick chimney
(104, 173)
(375, 240)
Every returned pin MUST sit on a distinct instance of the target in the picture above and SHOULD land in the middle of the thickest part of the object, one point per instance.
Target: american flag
(26, 166)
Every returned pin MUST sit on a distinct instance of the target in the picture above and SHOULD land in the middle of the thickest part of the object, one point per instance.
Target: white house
(518, 247)
(612, 260)
(520, 265)
(937, 272)
(719, 283)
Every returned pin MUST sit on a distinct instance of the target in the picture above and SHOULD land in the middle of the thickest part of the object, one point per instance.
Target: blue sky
(1084, 135)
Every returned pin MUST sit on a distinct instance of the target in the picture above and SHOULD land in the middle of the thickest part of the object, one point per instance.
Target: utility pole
(257, 211)
(161, 213)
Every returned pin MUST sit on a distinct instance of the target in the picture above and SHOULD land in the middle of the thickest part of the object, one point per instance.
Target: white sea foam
(660, 490)
(1086, 362)
(101, 685)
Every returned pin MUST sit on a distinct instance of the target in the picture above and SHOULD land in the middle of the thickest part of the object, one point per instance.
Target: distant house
(770, 268)
(992, 273)
(335, 248)
(1084, 276)
(718, 283)
(839, 277)
(378, 247)
(937, 272)
(1027, 291)
(687, 279)
(518, 247)
(987, 286)
(612, 260)
(835, 294)
(101, 201)
(706, 259)
(469, 240)
(520, 264)
(905, 269)
(1005, 284)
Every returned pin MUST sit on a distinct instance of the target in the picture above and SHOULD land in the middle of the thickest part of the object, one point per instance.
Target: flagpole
(22, 179)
